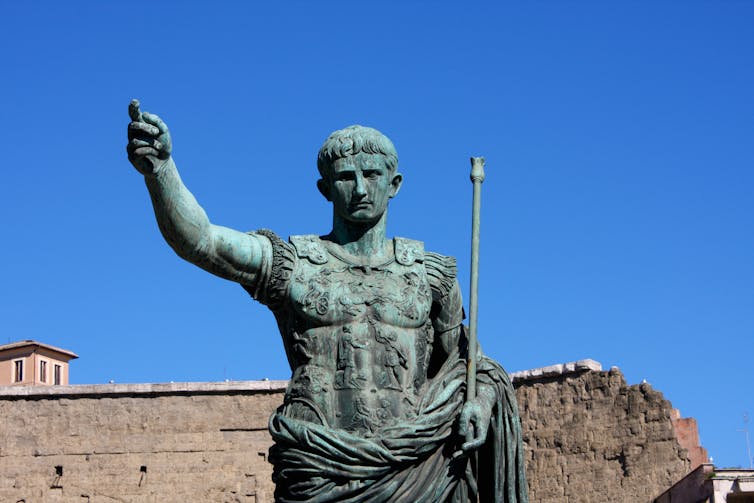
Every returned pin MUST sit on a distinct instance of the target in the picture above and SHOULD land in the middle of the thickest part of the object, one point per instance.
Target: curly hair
(352, 140)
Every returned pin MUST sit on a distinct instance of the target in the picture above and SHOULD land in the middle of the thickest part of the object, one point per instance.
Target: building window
(57, 374)
(19, 374)
(42, 371)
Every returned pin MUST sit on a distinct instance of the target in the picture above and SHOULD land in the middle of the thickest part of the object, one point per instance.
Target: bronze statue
(373, 333)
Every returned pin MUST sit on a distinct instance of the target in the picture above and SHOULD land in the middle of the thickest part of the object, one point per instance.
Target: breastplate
(360, 340)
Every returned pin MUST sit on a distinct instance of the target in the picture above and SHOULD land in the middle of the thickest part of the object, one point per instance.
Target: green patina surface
(372, 328)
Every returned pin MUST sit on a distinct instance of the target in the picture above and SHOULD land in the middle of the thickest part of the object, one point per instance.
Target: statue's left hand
(474, 422)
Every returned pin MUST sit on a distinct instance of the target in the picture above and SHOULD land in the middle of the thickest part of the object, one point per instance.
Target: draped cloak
(411, 462)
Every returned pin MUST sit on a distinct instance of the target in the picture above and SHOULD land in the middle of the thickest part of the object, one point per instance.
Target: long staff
(477, 177)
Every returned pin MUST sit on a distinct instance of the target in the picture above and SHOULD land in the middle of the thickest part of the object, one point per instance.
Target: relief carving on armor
(317, 297)
(300, 348)
(308, 380)
(307, 345)
(393, 361)
(362, 419)
(369, 289)
(423, 354)
(348, 372)
(350, 305)
(384, 413)
(413, 294)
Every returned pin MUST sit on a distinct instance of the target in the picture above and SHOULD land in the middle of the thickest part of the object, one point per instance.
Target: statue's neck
(361, 239)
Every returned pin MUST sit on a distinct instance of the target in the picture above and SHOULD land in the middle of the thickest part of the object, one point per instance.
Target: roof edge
(33, 343)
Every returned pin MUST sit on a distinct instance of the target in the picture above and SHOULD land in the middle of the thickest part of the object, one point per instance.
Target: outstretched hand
(149, 143)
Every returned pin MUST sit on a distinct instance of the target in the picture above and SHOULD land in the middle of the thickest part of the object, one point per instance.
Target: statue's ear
(395, 184)
(324, 188)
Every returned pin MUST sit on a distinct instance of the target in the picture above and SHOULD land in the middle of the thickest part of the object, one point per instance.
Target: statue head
(358, 168)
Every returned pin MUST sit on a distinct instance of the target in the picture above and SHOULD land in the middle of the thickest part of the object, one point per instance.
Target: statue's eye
(372, 174)
(344, 176)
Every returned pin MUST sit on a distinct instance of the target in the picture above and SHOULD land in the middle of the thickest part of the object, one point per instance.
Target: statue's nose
(360, 188)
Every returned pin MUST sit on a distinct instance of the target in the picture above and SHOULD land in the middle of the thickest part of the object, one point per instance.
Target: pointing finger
(133, 110)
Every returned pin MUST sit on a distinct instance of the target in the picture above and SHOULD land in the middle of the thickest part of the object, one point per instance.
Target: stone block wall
(137, 443)
(589, 437)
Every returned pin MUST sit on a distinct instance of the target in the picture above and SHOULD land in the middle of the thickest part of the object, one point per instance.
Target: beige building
(33, 363)
(707, 484)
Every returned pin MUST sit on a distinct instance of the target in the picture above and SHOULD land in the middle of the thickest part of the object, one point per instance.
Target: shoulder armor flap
(408, 251)
(441, 271)
(309, 247)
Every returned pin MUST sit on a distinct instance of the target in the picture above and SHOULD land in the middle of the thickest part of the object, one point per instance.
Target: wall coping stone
(560, 369)
(173, 388)
(213, 388)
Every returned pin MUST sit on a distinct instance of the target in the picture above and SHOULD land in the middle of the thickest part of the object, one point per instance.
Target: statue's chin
(362, 218)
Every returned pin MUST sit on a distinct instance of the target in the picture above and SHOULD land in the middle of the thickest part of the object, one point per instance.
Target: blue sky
(616, 215)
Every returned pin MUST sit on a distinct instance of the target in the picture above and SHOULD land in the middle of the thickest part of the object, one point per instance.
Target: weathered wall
(589, 437)
(196, 442)
(592, 438)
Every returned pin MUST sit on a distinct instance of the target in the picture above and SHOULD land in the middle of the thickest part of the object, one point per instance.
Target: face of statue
(360, 186)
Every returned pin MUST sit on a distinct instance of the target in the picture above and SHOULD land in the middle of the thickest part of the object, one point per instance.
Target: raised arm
(225, 252)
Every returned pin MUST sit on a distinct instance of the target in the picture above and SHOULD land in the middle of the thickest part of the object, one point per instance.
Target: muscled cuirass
(358, 336)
